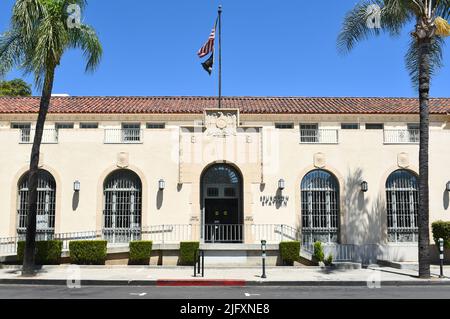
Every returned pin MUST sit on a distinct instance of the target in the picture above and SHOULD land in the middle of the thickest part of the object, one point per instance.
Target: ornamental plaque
(221, 122)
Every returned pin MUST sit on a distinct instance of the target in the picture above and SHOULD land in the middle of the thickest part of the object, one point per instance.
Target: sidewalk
(216, 276)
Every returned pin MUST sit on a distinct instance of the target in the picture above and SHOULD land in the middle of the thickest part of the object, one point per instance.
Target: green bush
(329, 260)
(47, 252)
(318, 252)
(187, 250)
(88, 252)
(140, 252)
(441, 229)
(289, 251)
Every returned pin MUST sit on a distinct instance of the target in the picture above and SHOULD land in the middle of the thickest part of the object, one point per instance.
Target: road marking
(137, 294)
(249, 295)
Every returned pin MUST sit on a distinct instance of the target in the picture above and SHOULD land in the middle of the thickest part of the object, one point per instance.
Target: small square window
(136, 126)
(284, 126)
(21, 126)
(350, 126)
(88, 125)
(60, 126)
(156, 125)
(374, 126)
(230, 192)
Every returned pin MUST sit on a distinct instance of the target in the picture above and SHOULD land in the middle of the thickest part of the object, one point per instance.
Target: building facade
(338, 170)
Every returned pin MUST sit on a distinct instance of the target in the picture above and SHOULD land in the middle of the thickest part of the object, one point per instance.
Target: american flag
(209, 45)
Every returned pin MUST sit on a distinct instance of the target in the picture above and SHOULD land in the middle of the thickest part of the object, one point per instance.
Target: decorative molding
(123, 160)
(403, 160)
(319, 160)
(221, 122)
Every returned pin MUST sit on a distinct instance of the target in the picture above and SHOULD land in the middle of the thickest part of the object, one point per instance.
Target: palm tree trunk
(424, 207)
(30, 245)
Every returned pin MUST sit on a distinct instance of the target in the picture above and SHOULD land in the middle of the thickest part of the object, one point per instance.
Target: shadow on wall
(363, 224)
(75, 200)
(445, 199)
(159, 199)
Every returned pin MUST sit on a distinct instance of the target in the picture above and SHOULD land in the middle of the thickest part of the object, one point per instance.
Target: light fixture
(76, 186)
(448, 186)
(281, 184)
(162, 184)
(364, 186)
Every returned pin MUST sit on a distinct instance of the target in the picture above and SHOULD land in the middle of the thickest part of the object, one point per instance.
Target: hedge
(289, 251)
(47, 252)
(187, 250)
(140, 252)
(88, 252)
(441, 229)
(318, 252)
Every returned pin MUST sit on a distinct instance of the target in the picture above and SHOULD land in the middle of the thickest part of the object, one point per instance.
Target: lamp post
(263, 248)
(441, 256)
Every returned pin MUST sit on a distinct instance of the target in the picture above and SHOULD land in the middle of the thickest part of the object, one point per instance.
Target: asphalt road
(242, 293)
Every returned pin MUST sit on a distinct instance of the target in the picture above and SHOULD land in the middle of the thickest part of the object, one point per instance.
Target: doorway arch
(221, 202)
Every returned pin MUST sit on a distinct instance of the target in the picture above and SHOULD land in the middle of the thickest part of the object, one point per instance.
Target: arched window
(122, 207)
(402, 201)
(320, 207)
(45, 217)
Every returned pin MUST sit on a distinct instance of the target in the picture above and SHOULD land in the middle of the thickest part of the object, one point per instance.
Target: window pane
(156, 125)
(284, 126)
(88, 125)
(372, 126)
(59, 126)
(350, 126)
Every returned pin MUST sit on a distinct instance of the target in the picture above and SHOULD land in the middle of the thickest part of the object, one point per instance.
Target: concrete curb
(220, 282)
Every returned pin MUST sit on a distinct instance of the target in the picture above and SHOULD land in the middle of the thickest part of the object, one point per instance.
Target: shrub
(329, 260)
(140, 252)
(318, 252)
(289, 251)
(187, 250)
(441, 229)
(47, 252)
(88, 252)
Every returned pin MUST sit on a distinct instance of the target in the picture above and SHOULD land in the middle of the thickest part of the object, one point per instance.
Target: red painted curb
(199, 282)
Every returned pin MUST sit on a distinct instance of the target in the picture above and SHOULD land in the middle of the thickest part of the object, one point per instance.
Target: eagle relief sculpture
(220, 124)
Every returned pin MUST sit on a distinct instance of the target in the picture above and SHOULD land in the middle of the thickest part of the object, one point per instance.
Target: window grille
(131, 132)
(122, 207)
(284, 126)
(88, 125)
(156, 125)
(320, 207)
(402, 198)
(309, 133)
(45, 217)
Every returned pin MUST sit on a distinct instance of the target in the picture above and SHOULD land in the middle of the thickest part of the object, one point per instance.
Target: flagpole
(220, 56)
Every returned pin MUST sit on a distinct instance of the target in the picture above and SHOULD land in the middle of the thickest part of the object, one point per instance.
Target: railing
(224, 233)
(49, 136)
(401, 136)
(123, 136)
(159, 234)
(311, 136)
(274, 233)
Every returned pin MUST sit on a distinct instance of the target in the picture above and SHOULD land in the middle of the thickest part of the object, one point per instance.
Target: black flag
(208, 64)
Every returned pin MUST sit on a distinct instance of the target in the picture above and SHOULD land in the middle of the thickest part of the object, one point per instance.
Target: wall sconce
(364, 186)
(281, 184)
(76, 186)
(162, 184)
(448, 187)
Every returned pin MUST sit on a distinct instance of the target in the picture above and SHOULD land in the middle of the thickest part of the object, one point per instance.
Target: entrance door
(221, 203)
(222, 220)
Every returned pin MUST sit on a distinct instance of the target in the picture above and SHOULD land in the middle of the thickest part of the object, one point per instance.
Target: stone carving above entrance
(221, 122)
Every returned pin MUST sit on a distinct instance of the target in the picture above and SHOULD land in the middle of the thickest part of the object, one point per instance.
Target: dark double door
(222, 224)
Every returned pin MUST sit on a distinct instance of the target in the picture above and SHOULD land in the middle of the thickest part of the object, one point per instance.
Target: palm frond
(11, 51)
(412, 58)
(86, 39)
(442, 9)
(393, 15)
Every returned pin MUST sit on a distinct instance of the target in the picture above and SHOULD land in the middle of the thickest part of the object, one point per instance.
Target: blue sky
(270, 48)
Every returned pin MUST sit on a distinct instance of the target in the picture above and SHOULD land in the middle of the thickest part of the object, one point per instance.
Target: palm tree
(374, 17)
(41, 31)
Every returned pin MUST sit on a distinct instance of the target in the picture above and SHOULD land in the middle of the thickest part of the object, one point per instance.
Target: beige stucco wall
(263, 154)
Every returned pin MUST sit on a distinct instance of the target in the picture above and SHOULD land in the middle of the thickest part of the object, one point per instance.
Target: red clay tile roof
(247, 105)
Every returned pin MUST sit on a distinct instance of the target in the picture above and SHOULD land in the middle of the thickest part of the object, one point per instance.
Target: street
(243, 293)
